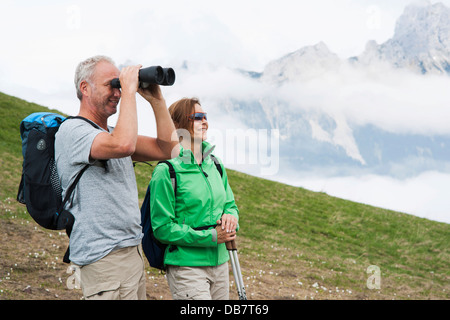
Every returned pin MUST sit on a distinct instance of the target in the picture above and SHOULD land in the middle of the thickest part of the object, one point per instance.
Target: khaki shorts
(199, 283)
(118, 276)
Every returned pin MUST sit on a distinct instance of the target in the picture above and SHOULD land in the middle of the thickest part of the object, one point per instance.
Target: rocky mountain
(316, 135)
(304, 64)
(421, 41)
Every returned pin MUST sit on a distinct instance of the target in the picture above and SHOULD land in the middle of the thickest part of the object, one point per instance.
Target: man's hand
(152, 94)
(129, 79)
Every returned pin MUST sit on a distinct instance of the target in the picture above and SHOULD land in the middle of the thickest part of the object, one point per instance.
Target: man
(106, 235)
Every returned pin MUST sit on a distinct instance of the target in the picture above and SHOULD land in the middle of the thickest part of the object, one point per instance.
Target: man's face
(103, 96)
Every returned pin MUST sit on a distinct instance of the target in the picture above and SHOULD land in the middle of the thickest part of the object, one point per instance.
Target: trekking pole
(232, 250)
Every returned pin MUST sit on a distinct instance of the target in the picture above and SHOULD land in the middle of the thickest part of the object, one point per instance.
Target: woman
(202, 216)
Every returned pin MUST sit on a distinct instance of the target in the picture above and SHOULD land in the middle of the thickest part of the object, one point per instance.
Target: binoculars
(152, 75)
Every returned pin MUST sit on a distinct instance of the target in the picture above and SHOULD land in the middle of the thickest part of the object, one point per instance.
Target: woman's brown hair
(179, 111)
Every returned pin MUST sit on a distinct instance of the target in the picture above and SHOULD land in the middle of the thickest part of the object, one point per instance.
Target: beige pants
(199, 283)
(118, 276)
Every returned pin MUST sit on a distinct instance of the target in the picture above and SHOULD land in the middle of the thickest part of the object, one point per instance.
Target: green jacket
(202, 197)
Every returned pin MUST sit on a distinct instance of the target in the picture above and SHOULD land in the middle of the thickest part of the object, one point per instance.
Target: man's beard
(106, 106)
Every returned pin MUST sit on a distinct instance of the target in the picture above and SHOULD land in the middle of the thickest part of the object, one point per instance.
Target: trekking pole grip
(231, 245)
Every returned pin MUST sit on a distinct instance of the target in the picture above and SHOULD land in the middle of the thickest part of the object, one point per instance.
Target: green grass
(299, 233)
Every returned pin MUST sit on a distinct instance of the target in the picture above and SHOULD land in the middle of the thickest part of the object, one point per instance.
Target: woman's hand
(224, 236)
(226, 228)
(228, 222)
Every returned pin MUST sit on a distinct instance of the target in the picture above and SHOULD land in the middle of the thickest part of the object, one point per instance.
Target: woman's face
(200, 127)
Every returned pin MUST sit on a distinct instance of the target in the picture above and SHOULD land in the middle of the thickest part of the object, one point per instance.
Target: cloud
(396, 101)
(425, 195)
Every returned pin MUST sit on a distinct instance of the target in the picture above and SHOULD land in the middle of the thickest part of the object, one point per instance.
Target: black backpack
(40, 187)
(153, 249)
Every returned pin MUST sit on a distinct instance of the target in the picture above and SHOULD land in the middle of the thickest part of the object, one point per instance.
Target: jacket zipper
(205, 175)
(210, 188)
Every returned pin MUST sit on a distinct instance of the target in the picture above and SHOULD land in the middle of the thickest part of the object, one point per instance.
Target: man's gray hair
(85, 70)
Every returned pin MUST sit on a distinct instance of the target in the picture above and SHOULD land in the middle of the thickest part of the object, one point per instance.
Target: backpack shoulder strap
(71, 188)
(83, 118)
(173, 176)
(217, 163)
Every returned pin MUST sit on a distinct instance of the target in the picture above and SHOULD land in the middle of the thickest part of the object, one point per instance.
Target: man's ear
(85, 88)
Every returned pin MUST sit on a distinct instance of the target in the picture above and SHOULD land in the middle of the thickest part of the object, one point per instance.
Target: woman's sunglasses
(197, 116)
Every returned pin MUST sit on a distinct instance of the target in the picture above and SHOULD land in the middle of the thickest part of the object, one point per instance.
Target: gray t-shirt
(105, 201)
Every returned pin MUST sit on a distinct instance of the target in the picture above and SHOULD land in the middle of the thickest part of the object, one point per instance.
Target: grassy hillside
(293, 243)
